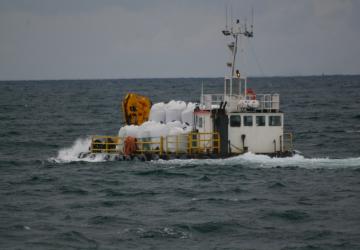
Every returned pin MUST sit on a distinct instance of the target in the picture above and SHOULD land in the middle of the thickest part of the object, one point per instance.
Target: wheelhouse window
(274, 120)
(248, 120)
(235, 121)
(260, 120)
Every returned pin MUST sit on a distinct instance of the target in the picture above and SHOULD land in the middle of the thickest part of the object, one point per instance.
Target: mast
(236, 33)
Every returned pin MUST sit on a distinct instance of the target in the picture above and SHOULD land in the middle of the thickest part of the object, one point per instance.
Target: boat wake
(264, 161)
(76, 153)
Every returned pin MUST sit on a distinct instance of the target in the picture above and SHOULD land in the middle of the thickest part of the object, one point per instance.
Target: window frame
(245, 122)
(274, 124)
(256, 120)
(238, 122)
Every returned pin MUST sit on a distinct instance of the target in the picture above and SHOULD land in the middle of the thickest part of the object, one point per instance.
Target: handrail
(105, 144)
(267, 102)
(288, 141)
(190, 143)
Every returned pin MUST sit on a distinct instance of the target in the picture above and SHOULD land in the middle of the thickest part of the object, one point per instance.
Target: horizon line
(186, 77)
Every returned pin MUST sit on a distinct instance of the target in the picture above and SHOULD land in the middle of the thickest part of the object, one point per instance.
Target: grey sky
(72, 39)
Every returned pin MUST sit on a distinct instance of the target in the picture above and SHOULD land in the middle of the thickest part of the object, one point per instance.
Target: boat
(227, 124)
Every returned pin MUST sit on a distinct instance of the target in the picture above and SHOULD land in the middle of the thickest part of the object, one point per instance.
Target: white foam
(81, 145)
(255, 161)
(72, 153)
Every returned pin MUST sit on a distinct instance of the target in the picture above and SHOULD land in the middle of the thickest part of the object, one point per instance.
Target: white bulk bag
(174, 124)
(157, 112)
(187, 115)
(173, 110)
(128, 130)
(177, 134)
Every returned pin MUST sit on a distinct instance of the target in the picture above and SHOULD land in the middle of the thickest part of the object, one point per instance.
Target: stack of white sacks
(175, 118)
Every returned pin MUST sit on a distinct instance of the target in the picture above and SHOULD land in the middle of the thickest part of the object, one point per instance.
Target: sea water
(50, 199)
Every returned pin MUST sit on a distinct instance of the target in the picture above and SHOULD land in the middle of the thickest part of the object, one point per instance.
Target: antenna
(252, 20)
(237, 30)
(202, 93)
(231, 18)
(245, 26)
(226, 17)
(250, 33)
(226, 31)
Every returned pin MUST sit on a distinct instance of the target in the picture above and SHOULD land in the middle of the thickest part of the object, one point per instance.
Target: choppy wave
(264, 161)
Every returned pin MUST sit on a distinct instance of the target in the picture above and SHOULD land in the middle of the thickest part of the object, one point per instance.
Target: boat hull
(154, 157)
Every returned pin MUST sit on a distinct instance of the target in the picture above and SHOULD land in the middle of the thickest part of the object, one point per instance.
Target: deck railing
(288, 142)
(267, 102)
(190, 143)
(105, 144)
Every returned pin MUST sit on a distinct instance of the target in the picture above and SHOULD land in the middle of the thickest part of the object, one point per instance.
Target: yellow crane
(136, 109)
